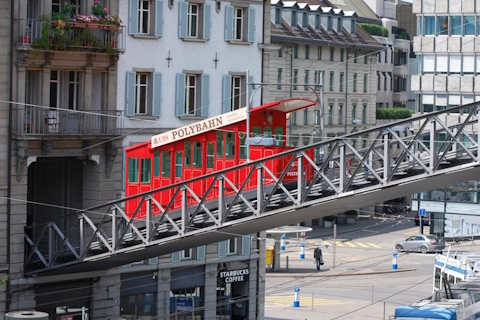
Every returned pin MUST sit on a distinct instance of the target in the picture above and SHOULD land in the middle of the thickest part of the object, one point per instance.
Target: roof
(223, 120)
(287, 32)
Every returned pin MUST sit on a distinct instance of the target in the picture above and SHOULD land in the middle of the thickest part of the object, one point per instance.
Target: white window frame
(190, 110)
(236, 94)
(232, 246)
(141, 17)
(193, 18)
(138, 93)
(186, 254)
(239, 16)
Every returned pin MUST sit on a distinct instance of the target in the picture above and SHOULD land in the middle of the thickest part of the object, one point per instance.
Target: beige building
(321, 44)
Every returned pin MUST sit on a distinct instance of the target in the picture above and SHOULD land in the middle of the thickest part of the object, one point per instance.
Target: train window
(210, 155)
(133, 170)
(156, 163)
(146, 170)
(230, 145)
(197, 154)
(166, 164)
(219, 144)
(243, 146)
(278, 136)
(178, 164)
(188, 155)
(267, 132)
(257, 132)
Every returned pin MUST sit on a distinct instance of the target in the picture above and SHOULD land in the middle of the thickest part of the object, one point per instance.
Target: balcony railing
(33, 121)
(70, 36)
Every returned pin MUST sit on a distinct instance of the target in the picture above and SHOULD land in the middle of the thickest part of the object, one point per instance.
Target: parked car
(426, 220)
(421, 243)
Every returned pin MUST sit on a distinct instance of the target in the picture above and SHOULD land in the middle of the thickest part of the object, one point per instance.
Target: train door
(210, 163)
(139, 180)
(225, 155)
(165, 174)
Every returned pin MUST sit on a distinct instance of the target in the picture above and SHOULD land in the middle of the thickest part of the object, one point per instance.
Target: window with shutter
(194, 20)
(192, 95)
(145, 17)
(239, 24)
(143, 94)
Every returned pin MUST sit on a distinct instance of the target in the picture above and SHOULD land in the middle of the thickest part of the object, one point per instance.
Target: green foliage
(67, 12)
(4, 280)
(403, 35)
(329, 218)
(374, 30)
(394, 113)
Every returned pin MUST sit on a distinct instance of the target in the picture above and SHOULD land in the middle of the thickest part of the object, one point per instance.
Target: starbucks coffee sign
(234, 275)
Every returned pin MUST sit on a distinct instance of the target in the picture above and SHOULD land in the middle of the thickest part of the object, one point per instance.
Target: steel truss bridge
(355, 170)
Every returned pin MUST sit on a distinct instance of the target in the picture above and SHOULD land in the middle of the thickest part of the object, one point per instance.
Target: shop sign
(234, 275)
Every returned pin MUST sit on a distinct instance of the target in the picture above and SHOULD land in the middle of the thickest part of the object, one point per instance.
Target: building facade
(78, 96)
(320, 46)
(446, 46)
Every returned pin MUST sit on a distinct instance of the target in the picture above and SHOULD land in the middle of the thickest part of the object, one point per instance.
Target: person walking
(317, 254)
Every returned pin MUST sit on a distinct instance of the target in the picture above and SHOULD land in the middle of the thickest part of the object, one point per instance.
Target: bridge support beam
(260, 195)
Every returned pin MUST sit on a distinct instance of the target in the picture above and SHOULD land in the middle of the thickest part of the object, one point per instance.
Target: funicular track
(397, 159)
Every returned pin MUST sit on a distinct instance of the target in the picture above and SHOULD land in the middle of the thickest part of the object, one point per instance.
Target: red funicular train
(207, 146)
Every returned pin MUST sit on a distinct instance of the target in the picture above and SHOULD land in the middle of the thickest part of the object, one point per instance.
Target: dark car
(426, 220)
(421, 243)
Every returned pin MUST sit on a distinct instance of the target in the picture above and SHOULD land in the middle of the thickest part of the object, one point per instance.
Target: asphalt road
(358, 280)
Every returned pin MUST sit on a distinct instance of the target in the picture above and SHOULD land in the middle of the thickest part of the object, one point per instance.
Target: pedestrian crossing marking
(362, 245)
(368, 245)
(304, 301)
(350, 244)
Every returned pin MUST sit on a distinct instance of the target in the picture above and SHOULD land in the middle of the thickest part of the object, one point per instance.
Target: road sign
(422, 213)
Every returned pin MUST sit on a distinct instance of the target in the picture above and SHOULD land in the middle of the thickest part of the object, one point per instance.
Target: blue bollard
(302, 250)
(296, 301)
(282, 243)
(394, 262)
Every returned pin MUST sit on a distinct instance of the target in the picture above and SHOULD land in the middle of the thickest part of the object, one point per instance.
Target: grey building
(62, 143)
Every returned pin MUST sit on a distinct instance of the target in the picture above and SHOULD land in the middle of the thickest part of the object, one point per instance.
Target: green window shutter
(133, 17)
(246, 243)
(251, 25)
(205, 98)
(158, 18)
(226, 93)
(182, 19)
(130, 94)
(157, 94)
(228, 23)
(222, 249)
(207, 18)
(201, 253)
(180, 95)
(176, 256)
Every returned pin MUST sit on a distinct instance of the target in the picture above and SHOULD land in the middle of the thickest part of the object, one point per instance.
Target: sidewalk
(292, 265)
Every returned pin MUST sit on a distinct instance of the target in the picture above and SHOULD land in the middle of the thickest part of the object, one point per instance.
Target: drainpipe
(346, 89)
(9, 152)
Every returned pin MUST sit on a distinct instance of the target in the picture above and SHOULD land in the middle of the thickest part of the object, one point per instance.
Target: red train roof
(286, 106)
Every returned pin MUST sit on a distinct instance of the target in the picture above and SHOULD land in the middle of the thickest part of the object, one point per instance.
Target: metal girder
(406, 151)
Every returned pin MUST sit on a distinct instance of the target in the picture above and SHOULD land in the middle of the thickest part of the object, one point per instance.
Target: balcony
(400, 97)
(34, 122)
(401, 70)
(70, 36)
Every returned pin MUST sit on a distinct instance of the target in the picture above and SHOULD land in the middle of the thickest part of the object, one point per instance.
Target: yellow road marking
(350, 244)
(338, 243)
(374, 245)
(314, 243)
(362, 245)
(303, 301)
(326, 243)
